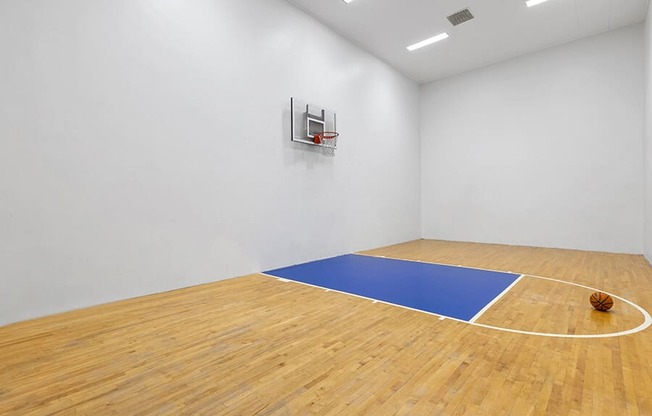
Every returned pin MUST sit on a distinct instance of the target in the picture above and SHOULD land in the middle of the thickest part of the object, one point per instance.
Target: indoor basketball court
(334, 207)
(452, 292)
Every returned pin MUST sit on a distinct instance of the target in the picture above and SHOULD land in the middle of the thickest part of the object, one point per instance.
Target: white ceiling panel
(502, 29)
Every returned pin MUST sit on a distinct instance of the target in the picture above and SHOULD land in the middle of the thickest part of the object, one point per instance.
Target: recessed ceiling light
(427, 42)
(347, 1)
(530, 3)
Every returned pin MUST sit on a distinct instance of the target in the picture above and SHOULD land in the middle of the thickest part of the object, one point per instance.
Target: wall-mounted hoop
(327, 140)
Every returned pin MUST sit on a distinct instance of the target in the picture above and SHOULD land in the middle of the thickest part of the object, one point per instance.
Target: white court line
(496, 299)
(440, 264)
(359, 296)
(647, 321)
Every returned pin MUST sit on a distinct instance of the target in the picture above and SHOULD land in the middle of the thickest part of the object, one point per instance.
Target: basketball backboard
(309, 119)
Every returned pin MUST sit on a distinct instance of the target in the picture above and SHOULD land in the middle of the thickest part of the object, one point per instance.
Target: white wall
(145, 147)
(542, 150)
(648, 135)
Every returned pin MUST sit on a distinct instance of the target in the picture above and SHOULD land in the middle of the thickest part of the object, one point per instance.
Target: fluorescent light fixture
(347, 1)
(427, 42)
(530, 3)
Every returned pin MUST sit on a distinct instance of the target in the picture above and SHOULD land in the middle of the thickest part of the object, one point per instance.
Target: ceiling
(502, 29)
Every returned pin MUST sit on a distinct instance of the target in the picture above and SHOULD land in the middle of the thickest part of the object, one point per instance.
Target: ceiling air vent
(460, 17)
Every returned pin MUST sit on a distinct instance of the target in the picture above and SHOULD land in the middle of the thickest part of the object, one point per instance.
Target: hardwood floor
(256, 345)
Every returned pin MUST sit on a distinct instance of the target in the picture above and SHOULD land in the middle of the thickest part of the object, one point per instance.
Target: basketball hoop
(328, 141)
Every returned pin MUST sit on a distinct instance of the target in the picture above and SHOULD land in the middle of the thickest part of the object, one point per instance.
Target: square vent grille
(460, 17)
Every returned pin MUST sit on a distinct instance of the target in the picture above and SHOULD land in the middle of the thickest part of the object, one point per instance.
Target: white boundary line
(646, 323)
(440, 264)
(357, 296)
(496, 299)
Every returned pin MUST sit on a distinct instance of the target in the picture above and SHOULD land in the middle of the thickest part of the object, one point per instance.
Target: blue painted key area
(456, 292)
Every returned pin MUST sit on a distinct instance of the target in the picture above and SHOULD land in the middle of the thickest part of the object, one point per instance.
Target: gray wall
(542, 150)
(145, 147)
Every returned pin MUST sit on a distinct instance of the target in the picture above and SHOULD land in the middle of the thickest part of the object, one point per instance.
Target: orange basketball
(601, 301)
